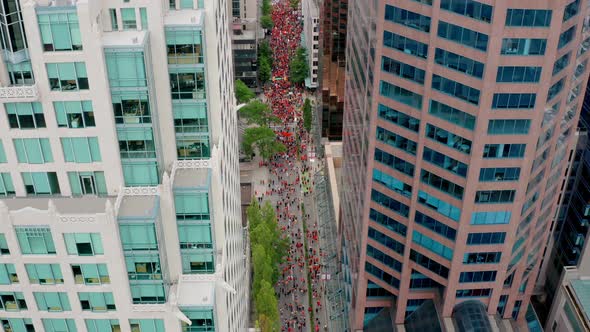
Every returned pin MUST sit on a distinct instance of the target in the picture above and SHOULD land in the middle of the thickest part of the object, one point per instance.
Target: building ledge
(196, 290)
(185, 17)
(20, 93)
(16, 57)
(124, 39)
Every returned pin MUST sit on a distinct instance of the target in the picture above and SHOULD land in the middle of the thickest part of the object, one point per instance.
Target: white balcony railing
(19, 93)
(16, 57)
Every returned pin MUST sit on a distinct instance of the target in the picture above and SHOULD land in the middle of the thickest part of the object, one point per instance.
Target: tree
(267, 307)
(257, 112)
(277, 244)
(295, 4)
(266, 22)
(268, 250)
(262, 265)
(264, 324)
(266, 7)
(307, 115)
(263, 70)
(243, 92)
(265, 51)
(299, 68)
(262, 139)
(254, 215)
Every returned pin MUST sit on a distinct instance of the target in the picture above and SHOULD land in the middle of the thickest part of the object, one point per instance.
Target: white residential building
(311, 39)
(119, 168)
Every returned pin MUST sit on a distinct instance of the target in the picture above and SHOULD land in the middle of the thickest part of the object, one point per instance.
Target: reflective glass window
(456, 89)
(41, 183)
(452, 115)
(512, 74)
(60, 32)
(463, 36)
(459, 63)
(509, 127)
(523, 46)
(74, 114)
(35, 240)
(407, 18)
(25, 115)
(402, 70)
(449, 139)
(445, 162)
(432, 245)
(396, 141)
(469, 8)
(81, 149)
(405, 44)
(514, 100)
(67, 76)
(401, 95)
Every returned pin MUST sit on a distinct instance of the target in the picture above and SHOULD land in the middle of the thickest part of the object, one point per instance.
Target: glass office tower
(119, 176)
(458, 116)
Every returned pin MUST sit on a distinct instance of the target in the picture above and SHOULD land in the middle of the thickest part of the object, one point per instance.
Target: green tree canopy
(279, 246)
(264, 230)
(262, 139)
(266, 7)
(264, 69)
(266, 22)
(299, 67)
(257, 112)
(307, 115)
(264, 51)
(267, 308)
(268, 250)
(243, 92)
(262, 265)
(295, 4)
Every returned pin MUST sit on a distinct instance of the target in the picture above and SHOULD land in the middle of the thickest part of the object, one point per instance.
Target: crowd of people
(290, 181)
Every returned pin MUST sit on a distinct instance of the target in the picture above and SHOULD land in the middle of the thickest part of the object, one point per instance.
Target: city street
(285, 180)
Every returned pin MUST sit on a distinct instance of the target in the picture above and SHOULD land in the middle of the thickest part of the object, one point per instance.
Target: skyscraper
(458, 116)
(571, 223)
(333, 35)
(119, 167)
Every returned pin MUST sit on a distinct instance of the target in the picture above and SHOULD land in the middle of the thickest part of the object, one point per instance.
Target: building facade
(570, 310)
(458, 118)
(245, 51)
(119, 167)
(311, 39)
(333, 40)
(245, 9)
(570, 227)
(246, 31)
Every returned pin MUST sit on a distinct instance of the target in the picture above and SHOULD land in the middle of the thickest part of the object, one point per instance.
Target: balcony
(17, 56)
(19, 93)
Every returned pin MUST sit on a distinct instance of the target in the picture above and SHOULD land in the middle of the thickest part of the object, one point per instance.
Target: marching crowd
(290, 177)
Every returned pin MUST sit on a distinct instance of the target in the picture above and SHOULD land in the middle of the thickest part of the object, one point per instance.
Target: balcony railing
(16, 57)
(19, 93)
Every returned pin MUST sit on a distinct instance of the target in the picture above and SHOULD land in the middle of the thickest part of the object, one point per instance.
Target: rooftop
(196, 293)
(63, 205)
(192, 177)
(184, 17)
(244, 35)
(131, 38)
(139, 206)
(581, 289)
